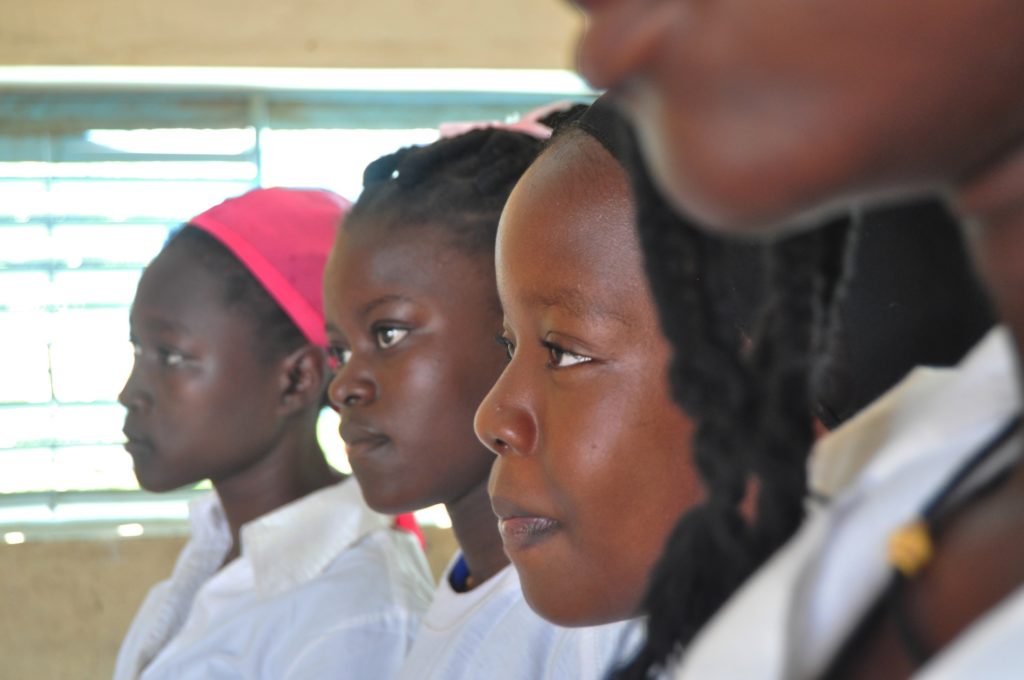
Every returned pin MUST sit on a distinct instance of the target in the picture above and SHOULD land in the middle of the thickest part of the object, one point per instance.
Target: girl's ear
(303, 378)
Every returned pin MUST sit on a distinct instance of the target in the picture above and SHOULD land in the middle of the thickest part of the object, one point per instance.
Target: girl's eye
(170, 357)
(510, 347)
(338, 356)
(563, 358)
(389, 336)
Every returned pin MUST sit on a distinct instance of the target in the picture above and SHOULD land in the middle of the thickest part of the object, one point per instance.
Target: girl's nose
(352, 385)
(504, 426)
(133, 395)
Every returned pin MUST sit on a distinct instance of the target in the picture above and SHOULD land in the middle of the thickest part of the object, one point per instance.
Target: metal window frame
(49, 109)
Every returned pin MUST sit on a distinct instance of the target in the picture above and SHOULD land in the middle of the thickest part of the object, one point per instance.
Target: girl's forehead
(576, 205)
(576, 253)
(180, 289)
(176, 274)
(396, 238)
(417, 255)
(416, 265)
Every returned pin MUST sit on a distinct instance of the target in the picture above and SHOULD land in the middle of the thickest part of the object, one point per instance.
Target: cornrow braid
(458, 183)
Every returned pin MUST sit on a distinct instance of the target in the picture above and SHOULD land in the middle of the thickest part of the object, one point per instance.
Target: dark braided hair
(278, 334)
(459, 184)
(709, 552)
(709, 282)
(909, 282)
(754, 406)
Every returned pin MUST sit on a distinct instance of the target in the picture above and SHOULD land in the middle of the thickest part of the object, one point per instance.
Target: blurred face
(201, 397)
(593, 466)
(411, 322)
(752, 113)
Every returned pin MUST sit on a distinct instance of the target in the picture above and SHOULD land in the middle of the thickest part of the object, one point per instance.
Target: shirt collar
(294, 543)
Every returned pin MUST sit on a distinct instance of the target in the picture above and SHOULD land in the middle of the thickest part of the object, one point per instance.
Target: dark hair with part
(459, 184)
(277, 333)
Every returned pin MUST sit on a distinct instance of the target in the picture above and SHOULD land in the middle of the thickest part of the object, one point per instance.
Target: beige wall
(308, 33)
(64, 606)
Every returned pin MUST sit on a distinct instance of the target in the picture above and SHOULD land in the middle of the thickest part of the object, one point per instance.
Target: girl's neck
(476, 530)
(287, 472)
(992, 204)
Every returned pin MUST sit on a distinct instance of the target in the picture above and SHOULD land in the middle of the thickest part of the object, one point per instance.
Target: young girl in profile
(412, 313)
(592, 466)
(288, 574)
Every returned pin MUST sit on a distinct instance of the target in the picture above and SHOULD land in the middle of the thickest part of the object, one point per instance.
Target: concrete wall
(309, 33)
(64, 606)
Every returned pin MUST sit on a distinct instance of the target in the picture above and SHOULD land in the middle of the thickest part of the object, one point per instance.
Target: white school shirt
(490, 632)
(324, 588)
(792, 617)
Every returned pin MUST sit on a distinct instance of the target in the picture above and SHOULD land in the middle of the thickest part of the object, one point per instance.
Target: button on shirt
(324, 588)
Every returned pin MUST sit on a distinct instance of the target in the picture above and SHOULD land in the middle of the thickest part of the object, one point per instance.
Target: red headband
(283, 237)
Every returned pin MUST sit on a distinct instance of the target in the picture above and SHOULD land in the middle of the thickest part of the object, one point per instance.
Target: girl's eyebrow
(160, 324)
(382, 300)
(576, 303)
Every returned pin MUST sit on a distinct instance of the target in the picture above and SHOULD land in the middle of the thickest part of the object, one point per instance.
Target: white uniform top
(795, 614)
(324, 588)
(490, 632)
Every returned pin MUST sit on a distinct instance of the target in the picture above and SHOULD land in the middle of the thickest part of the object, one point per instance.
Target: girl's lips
(363, 446)
(136, 443)
(360, 439)
(137, 447)
(520, 533)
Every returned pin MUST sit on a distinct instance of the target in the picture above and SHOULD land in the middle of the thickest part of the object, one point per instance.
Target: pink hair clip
(528, 124)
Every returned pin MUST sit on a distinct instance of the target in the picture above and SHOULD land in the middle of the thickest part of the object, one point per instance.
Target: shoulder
(384, 573)
(361, 613)
(468, 635)
(592, 651)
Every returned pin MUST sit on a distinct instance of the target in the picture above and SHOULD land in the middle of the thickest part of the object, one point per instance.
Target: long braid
(752, 408)
(780, 361)
(708, 553)
(838, 259)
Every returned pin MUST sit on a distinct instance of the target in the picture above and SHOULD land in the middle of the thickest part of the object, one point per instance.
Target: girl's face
(756, 112)
(593, 466)
(202, 398)
(411, 323)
